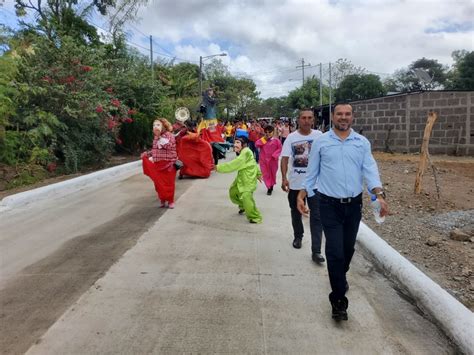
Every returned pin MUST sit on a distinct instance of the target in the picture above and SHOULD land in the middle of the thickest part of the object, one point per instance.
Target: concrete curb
(67, 187)
(452, 316)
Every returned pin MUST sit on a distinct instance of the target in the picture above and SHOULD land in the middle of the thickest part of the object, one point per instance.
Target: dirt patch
(419, 226)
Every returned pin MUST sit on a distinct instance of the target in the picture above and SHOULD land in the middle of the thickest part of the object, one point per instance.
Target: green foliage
(137, 135)
(341, 69)
(27, 174)
(306, 96)
(215, 70)
(461, 77)
(359, 87)
(405, 80)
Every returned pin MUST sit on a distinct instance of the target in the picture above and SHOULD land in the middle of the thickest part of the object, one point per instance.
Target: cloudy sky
(266, 39)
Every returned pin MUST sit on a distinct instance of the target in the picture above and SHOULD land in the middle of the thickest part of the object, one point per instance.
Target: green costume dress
(241, 190)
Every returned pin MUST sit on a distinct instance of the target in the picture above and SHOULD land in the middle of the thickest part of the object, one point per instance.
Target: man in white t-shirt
(294, 162)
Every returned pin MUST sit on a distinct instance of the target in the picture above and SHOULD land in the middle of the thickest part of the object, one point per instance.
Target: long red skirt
(196, 155)
(163, 175)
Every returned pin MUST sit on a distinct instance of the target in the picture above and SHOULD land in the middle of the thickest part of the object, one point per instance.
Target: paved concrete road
(204, 280)
(53, 252)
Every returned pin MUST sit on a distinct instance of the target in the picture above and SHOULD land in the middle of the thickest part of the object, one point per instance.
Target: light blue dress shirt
(340, 166)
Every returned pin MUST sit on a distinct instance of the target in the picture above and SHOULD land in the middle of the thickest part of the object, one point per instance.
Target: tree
(183, 80)
(461, 77)
(215, 69)
(405, 80)
(306, 96)
(274, 107)
(359, 87)
(342, 68)
(57, 18)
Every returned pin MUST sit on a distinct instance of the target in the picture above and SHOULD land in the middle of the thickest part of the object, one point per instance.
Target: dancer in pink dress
(270, 149)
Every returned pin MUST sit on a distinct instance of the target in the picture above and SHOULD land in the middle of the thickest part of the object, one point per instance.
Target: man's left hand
(383, 207)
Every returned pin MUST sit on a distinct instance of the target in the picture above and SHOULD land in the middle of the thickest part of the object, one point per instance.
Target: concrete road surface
(201, 280)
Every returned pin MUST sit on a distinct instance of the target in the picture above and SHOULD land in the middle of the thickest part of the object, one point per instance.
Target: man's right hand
(300, 204)
(285, 185)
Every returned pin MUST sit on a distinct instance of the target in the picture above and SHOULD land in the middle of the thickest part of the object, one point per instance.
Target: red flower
(47, 79)
(69, 79)
(111, 124)
(118, 141)
(132, 111)
(115, 102)
(128, 120)
(51, 167)
(109, 90)
(86, 68)
(99, 109)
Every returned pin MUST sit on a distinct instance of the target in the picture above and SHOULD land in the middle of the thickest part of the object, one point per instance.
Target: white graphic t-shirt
(297, 148)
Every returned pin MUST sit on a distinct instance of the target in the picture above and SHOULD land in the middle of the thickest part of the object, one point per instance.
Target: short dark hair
(242, 140)
(305, 109)
(333, 108)
(269, 128)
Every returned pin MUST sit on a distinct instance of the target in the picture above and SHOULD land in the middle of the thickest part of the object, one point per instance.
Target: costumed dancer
(213, 135)
(270, 149)
(208, 109)
(248, 172)
(158, 163)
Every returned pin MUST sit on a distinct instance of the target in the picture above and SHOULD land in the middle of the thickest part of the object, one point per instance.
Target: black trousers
(254, 150)
(340, 224)
(315, 225)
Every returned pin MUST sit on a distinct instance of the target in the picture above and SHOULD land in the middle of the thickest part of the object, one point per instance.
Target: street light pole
(201, 59)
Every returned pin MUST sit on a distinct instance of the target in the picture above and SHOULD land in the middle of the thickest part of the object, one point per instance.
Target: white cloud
(266, 39)
(273, 36)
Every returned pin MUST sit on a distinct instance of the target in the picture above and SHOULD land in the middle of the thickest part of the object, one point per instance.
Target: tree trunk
(432, 116)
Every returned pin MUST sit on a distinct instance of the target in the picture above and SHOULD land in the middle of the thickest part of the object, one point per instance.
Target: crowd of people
(322, 174)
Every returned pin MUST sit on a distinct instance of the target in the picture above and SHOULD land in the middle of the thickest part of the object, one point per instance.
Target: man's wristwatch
(381, 193)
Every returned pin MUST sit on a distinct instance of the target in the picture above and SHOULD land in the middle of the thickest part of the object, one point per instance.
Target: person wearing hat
(242, 188)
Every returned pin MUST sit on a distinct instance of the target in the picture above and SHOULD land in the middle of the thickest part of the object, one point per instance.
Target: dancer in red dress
(158, 163)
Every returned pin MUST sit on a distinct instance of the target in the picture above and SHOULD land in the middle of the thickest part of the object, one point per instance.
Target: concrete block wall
(406, 115)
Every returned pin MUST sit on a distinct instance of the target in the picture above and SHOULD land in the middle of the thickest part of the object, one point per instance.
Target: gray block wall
(407, 114)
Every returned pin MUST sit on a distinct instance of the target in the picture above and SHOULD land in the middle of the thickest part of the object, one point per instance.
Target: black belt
(344, 200)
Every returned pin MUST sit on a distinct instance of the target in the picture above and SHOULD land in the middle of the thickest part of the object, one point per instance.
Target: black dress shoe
(269, 192)
(297, 243)
(241, 211)
(318, 258)
(339, 309)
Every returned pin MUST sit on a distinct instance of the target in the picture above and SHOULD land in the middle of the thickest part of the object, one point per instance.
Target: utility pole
(321, 85)
(200, 75)
(151, 59)
(302, 66)
(330, 94)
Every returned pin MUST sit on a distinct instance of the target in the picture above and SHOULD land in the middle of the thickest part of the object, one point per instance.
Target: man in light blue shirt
(340, 161)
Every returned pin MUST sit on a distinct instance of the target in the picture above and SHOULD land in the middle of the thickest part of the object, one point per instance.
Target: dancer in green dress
(248, 172)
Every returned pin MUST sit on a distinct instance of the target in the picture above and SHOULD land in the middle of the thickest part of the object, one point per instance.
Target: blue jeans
(340, 224)
(314, 220)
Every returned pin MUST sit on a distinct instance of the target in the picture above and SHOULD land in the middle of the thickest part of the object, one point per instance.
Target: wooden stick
(432, 116)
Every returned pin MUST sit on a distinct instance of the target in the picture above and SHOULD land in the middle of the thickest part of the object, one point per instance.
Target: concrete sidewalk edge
(453, 317)
(67, 187)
